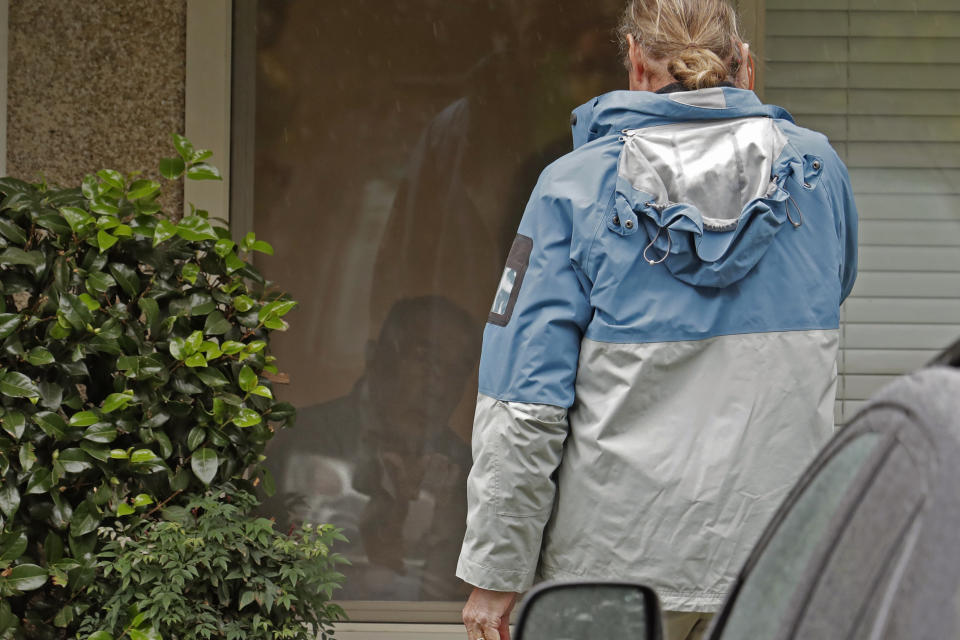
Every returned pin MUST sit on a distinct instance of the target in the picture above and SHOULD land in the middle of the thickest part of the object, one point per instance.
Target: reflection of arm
(527, 375)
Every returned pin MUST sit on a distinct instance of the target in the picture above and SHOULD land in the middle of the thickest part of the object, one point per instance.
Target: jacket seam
(588, 271)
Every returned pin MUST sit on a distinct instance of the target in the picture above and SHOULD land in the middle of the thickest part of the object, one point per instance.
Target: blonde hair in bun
(694, 37)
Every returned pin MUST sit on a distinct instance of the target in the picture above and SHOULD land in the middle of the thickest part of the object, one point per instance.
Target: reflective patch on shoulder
(511, 281)
(711, 98)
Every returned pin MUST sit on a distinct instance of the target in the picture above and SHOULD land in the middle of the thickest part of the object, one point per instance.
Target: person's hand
(744, 78)
(487, 614)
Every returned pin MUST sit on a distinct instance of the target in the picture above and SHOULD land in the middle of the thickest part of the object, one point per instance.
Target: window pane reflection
(396, 145)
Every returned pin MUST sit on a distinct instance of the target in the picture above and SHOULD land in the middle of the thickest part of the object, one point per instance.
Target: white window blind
(881, 78)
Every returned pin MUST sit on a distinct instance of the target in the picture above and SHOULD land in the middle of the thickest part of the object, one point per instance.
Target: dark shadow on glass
(382, 463)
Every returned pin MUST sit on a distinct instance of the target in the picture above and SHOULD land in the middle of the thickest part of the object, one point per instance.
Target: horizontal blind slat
(899, 311)
(874, 258)
(914, 206)
(899, 336)
(893, 284)
(885, 361)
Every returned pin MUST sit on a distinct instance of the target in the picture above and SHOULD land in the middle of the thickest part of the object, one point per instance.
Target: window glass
(765, 597)
(396, 144)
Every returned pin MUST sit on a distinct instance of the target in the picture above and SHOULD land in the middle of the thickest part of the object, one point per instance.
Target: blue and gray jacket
(660, 360)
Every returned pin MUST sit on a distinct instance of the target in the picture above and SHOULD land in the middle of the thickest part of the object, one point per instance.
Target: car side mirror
(590, 611)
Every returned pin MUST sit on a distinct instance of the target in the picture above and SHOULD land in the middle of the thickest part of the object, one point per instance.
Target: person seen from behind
(661, 364)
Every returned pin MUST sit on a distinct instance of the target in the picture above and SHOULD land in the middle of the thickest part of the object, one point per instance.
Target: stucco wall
(94, 84)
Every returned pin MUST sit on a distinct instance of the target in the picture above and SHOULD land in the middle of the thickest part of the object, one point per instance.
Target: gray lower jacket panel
(674, 457)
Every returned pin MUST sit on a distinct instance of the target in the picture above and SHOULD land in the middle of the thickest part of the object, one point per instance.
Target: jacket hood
(702, 173)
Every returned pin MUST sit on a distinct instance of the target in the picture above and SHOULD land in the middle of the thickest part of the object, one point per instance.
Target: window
(395, 147)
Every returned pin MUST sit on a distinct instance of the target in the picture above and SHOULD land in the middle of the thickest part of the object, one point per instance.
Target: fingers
(743, 79)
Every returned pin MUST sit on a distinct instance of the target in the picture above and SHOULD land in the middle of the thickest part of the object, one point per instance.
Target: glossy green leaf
(203, 171)
(52, 547)
(100, 635)
(163, 231)
(88, 301)
(190, 271)
(99, 282)
(111, 178)
(141, 456)
(78, 219)
(150, 309)
(39, 481)
(126, 276)
(193, 342)
(247, 379)
(231, 347)
(223, 246)
(142, 189)
(262, 391)
(9, 322)
(14, 422)
(9, 499)
(102, 432)
(12, 231)
(25, 577)
(17, 385)
(13, 256)
(243, 303)
(39, 356)
(183, 146)
(204, 463)
(105, 240)
(74, 311)
(104, 206)
(172, 168)
(125, 509)
(196, 437)
(196, 360)
(142, 500)
(51, 423)
(263, 247)
(213, 378)
(178, 348)
(195, 229)
(115, 401)
(246, 418)
(96, 451)
(119, 454)
(64, 617)
(12, 546)
(75, 460)
(86, 518)
(216, 324)
(83, 419)
(27, 456)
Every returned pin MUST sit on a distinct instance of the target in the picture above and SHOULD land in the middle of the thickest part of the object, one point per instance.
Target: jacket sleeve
(847, 231)
(531, 348)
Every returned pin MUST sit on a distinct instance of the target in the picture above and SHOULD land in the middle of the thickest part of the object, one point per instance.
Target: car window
(765, 597)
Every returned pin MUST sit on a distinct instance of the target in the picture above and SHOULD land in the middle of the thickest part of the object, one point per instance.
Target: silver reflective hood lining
(712, 98)
(680, 452)
(717, 166)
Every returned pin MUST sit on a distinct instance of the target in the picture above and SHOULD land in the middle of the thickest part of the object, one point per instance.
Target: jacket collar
(618, 110)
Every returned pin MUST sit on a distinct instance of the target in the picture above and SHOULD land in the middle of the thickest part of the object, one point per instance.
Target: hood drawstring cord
(796, 224)
(667, 253)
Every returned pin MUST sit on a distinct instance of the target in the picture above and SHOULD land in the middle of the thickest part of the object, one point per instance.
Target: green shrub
(133, 349)
(210, 570)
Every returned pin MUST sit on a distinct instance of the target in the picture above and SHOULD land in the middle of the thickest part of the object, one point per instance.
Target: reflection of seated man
(381, 462)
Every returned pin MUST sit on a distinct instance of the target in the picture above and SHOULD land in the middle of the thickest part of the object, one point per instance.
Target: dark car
(866, 546)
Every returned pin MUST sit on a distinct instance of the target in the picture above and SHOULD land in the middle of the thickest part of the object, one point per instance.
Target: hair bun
(697, 68)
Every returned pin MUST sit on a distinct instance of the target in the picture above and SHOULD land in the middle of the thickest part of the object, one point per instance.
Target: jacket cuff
(493, 579)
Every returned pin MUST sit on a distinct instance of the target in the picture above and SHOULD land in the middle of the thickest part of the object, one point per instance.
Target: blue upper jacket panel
(615, 261)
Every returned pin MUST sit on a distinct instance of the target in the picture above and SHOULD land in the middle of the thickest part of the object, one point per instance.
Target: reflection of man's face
(416, 377)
